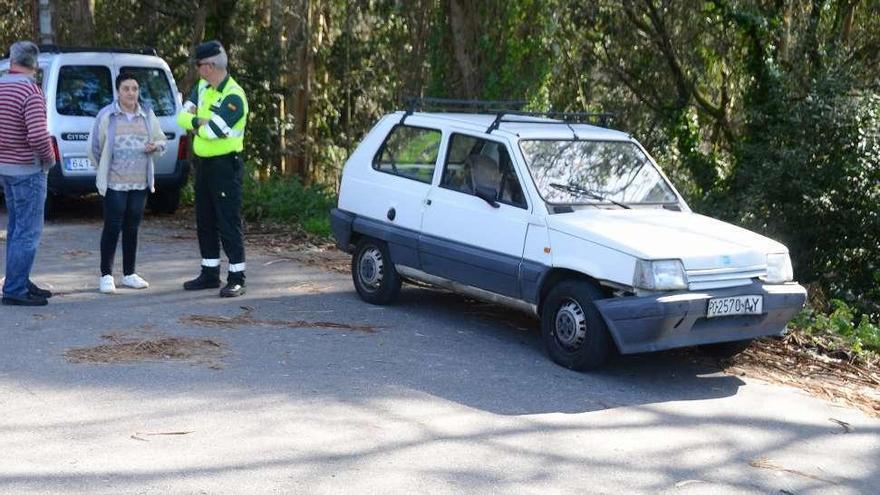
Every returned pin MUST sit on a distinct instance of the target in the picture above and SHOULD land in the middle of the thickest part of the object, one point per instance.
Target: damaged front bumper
(657, 322)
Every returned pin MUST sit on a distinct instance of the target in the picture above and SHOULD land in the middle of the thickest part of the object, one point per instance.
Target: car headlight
(660, 275)
(778, 269)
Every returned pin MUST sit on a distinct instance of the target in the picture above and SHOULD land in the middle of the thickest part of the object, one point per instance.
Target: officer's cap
(208, 49)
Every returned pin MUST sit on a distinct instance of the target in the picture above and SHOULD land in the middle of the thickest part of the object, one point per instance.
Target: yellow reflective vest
(226, 110)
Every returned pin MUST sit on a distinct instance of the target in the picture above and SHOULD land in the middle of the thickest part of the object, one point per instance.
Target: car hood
(699, 241)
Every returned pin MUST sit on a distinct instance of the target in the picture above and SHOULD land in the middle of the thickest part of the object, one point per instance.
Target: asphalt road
(299, 387)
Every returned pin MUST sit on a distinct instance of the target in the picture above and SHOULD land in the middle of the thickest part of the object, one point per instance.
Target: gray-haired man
(26, 154)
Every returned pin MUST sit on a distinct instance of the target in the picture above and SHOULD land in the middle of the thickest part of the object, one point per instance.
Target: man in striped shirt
(26, 154)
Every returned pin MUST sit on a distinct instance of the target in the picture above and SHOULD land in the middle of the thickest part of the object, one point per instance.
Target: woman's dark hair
(124, 76)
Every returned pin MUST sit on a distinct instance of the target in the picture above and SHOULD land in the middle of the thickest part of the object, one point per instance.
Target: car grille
(716, 278)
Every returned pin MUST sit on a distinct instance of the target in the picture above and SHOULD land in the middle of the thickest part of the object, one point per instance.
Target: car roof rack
(601, 119)
(77, 49)
(504, 111)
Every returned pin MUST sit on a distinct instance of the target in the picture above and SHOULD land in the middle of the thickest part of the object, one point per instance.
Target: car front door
(475, 221)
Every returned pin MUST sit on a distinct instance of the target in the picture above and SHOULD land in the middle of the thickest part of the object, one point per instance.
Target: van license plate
(738, 305)
(77, 164)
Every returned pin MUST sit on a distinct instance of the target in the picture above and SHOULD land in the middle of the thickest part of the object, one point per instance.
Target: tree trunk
(298, 100)
(74, 21)
(463, 23)
(200, 18)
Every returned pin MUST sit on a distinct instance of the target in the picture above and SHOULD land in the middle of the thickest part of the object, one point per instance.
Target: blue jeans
(25, 200)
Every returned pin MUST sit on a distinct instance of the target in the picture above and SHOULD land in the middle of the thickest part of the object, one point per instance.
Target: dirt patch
(247, 319)
(122, 348)
(791, 362)
(71, 255)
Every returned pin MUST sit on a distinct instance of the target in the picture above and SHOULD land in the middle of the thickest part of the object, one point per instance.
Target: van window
(155, 90)
(83, 90)
(409, 152)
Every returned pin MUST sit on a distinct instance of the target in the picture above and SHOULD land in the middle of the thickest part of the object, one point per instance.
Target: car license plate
(737, 305)
(77, 164)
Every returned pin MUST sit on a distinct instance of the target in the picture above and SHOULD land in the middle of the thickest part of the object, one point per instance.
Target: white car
(573, 223)
(78, 83)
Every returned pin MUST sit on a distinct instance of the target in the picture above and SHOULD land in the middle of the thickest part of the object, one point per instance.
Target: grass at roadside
(840, 333)
(286, 200)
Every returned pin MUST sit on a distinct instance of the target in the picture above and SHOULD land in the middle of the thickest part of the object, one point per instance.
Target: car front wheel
(374, 276)
(572, 328)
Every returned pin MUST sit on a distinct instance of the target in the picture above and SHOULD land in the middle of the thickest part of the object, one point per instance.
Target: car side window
(154, 88)
(83, 90)
(409, 152)
(473, 163)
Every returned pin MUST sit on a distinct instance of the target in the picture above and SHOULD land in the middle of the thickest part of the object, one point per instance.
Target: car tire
(374, 276)
(573, 331)
(164, 201)
(725, 350)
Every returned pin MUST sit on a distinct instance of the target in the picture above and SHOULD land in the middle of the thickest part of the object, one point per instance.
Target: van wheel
(725, 350)
(374, 276)
(574, 332)
(164, 201)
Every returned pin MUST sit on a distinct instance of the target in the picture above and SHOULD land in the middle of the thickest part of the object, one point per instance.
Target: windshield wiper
(586, 192)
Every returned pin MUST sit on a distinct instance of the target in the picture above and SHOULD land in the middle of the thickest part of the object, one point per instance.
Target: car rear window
(83, 90)
(155, 89)
(409, 152)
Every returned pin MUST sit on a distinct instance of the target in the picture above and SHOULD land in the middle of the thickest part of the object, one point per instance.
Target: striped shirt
(24, 137)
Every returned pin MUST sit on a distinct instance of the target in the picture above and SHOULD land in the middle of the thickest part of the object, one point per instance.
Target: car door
(390, 195)
(477, 241)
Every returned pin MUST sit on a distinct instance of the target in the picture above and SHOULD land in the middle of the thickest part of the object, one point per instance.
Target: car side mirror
(487, 194)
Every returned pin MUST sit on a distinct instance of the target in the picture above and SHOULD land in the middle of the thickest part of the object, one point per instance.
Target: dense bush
(808, 174)
(287, 200)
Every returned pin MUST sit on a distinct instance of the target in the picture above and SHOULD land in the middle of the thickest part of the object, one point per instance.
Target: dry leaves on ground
(247, 319)
(125, 348)
(790, 362)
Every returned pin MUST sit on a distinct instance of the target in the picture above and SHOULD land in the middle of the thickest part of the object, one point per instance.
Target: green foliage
(843, 327)
(287, 200)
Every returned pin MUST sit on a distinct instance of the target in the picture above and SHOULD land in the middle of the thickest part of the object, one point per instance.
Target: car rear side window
(83, 90)
(409, 152)
(155, 89)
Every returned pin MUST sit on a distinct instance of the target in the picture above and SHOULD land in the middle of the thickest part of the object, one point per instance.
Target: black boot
(208, 279)
(234, 285)
(37, 291)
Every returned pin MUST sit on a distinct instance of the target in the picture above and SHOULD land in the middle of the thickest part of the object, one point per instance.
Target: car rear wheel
(374, 276)
(572, 328)
(725, 350)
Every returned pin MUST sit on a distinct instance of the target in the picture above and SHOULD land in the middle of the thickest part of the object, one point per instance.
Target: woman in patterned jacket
(122, 143)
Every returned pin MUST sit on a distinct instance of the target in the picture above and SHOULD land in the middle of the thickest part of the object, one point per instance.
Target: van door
(464, 237)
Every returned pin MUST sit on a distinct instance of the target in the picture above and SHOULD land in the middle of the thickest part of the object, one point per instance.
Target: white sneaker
(107, 285)
(134, 281)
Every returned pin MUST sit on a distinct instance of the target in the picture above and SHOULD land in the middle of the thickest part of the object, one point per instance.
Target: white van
(573, 223)
(78, 82)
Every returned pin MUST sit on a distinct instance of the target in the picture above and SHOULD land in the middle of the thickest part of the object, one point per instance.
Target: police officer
(216, 112)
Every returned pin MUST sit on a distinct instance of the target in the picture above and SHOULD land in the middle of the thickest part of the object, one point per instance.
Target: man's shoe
(37, 291)
(234, 288)
(208, 279)
(27, 300)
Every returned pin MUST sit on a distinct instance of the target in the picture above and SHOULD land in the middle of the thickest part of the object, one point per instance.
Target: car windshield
(582, 172)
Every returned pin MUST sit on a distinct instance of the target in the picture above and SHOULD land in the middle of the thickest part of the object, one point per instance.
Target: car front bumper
(657, 322)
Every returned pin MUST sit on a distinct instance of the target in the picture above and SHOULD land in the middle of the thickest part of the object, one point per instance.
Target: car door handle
(428, 202)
